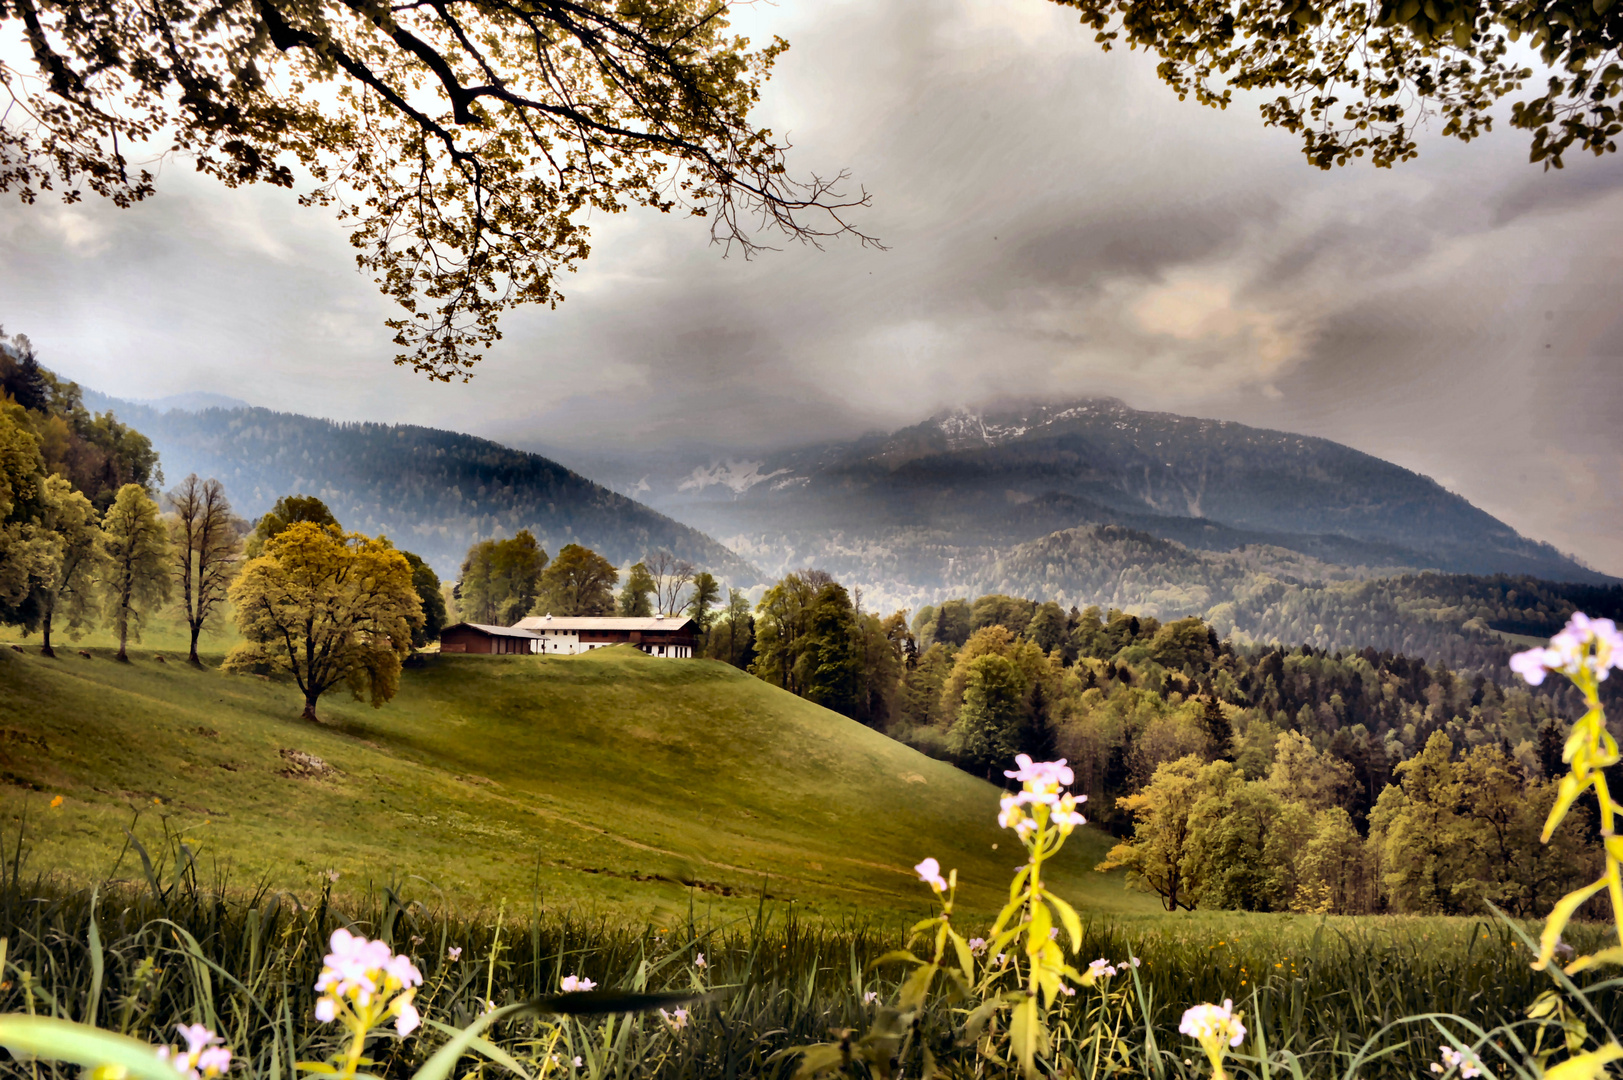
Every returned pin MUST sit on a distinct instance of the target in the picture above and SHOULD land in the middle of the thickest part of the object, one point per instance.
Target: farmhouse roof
(669, 624)
(493, 631)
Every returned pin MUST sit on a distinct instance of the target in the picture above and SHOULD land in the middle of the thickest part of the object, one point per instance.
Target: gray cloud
(1058, 224)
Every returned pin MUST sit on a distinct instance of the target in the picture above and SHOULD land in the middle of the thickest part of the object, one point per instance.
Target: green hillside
(606, 780)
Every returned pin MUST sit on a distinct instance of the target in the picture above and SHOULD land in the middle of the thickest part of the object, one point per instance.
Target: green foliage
(137, 567)
(732, 638)
(1350, 81)
(578, 582)
(706, 591)
(326, 607)
(94, 452)
(73, 589)
(832, 665)
(289, 510)
(431, 595)
(986, 734)
(634, 602)
(501, 580)
(551, 117)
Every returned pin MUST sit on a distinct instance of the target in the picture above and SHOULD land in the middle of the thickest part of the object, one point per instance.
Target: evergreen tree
(986, 734)
(833, 678)
(431, 594)
(635, 602)
(1219, 731)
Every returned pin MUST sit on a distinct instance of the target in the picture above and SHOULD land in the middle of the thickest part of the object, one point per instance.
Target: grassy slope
(598, 778)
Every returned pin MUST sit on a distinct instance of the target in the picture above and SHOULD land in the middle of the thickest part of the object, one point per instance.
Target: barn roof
(669, 624)
(493, 631)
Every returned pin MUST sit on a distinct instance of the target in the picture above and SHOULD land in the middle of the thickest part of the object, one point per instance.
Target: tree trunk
(45, 639)
(123, 656)
(197, 628)
(310, 710)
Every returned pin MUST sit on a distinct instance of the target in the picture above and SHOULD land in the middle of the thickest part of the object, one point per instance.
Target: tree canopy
(462, 142)
(328, 607)
(1355, 80)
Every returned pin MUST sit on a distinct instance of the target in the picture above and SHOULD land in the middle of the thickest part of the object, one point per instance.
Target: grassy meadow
(609, 782)
(609, 815)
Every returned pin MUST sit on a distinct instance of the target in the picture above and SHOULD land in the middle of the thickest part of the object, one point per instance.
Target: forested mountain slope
(1273, 595)
(433, 492)
(919, 513)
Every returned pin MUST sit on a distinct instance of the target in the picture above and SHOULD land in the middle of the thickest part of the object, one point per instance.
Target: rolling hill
(925, 512)
(430, 491)
(608, 781)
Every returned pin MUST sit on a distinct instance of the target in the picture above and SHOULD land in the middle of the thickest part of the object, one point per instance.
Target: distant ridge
(924, 512)
(430, 491)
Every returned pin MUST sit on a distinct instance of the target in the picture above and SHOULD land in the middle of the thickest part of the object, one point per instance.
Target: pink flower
(357, 970)
(1213, 1025)
(870, 996)
(1046, 773)
(570, 984)
(203, 1057)
(977, 945)
(677, 1018)
(454, 952)
(929, 872)
(1454, 1059)
(407, 1018)
(698, 961)
(1101, 968)
(1583, 644)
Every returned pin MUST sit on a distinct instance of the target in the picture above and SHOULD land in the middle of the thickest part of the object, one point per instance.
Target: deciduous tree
(578, 582)
(137, 576)
(26, 551)
(986, 734)
(1355, 80)
(671, 579)
(330, 608)
(72, 590)
(501, 579)
(206, 538)
(461, 142)
(706, 591)
(289, 510)
(1159, 857)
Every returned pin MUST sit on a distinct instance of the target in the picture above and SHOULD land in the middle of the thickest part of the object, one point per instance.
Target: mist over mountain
(930, 510)
(430, 491)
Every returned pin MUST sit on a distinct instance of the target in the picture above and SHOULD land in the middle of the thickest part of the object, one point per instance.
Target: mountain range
(432, 492)
(933, 509)
(1271, 534)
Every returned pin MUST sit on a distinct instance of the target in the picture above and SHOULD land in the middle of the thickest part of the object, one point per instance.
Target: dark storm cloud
(1058, 224)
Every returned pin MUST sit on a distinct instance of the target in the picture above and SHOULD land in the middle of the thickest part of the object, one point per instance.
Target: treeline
(1292, 751)
(88, 540)
(93, 452)
(430, 489)
(502, 581)
(1268, 595)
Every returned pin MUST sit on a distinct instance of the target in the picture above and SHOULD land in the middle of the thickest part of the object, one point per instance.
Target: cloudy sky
(1058, 223)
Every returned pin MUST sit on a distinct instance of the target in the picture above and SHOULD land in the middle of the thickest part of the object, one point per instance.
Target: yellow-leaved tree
(329, 607)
